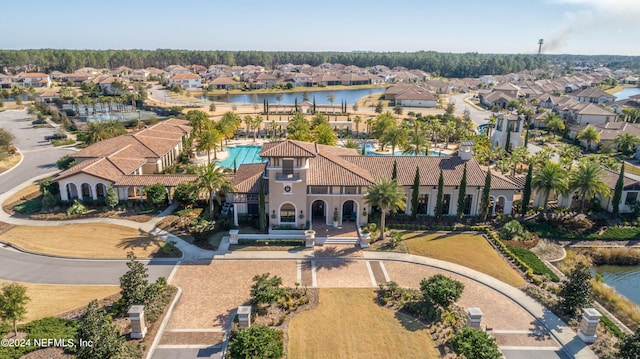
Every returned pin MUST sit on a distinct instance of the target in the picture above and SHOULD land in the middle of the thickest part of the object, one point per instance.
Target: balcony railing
(287, 176)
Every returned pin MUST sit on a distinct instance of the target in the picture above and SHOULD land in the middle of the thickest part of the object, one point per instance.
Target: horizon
(571, 27)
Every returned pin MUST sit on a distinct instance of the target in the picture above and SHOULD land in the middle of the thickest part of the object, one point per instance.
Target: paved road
(477, 115)
(23, 267)
(39, 155)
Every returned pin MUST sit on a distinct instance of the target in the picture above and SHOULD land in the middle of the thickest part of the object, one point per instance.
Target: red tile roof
(148, 180)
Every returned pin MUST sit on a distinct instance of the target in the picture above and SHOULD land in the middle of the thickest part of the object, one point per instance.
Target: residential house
(589, 113)
(33, 79)
(224, 83)
(187, 81)
(594, 95)
(415, 98)
(608, 132)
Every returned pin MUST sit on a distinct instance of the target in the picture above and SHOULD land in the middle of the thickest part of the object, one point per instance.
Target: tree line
(453, 65)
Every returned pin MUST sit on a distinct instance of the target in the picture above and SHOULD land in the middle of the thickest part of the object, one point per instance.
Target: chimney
(466, 150)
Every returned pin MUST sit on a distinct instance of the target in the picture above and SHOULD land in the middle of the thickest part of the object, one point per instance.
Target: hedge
(534, 262)
(546, 230)
(275, 242)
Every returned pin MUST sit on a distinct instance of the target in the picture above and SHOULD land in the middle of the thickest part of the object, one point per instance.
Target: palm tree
(416, 144)
(228, 124)
(519, 156)
(214, 182)
(551, 177)
(357, 121)
(387, 195)
(554, 124)
(255, 125)
(590, 135)
(209, 141)
(626, 141)
(568, 154)
(587, 180)
(394, 137)
(324, 135)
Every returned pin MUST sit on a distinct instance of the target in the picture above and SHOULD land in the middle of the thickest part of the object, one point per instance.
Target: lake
(626, 93)
(626, 280)
(321, 97)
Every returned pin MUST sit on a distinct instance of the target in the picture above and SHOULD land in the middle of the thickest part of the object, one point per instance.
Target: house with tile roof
(307, 183)
(33, 79)
(128, 163)
(186, 81)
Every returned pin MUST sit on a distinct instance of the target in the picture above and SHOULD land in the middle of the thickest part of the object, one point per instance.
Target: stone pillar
(235, 214)
(309, 238)
(244, 316)
(589, 325)
(474, 318)
(365, 239)
(138, 327)
(233, 236)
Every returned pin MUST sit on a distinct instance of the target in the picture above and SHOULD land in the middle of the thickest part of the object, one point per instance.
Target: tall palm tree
(626, 141)
(209, 141)
(214, 182)
(588, 180)
(590, 135)
(519, 156)
(416, 144)
(387, 195)
(550, 177)
(228, 124)
(357, 121)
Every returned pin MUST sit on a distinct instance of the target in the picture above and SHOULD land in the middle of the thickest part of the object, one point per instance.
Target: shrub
(511, 230)
(77, 208)
(266, 289)
(531, 260)
(440, 290)
(49, 200)
(156, 194)
(186, 194)
(29, 207)
(257, 341)
(475, 344)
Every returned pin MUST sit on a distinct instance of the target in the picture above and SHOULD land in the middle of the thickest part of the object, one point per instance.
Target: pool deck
(222, 155)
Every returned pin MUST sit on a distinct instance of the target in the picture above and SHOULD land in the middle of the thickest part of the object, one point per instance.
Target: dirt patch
(5, 227)
(48, 353)
(29, 192)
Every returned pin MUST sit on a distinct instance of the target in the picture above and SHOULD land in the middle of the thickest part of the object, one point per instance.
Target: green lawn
(348, 323)
(469, 250)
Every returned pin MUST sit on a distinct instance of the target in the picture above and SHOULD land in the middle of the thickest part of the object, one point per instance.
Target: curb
(165, 320)
(17, 164)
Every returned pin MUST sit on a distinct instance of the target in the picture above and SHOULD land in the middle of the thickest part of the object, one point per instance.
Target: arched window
(287, 213)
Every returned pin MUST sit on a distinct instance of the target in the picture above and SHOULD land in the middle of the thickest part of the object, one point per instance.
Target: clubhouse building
(311, 183)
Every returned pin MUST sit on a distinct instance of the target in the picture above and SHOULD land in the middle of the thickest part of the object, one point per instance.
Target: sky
(491, 26)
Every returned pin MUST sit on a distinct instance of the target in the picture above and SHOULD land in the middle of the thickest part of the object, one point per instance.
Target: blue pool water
(483, 128)
(241, 155)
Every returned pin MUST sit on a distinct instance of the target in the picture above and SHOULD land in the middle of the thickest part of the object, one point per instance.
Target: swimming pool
(241, 155)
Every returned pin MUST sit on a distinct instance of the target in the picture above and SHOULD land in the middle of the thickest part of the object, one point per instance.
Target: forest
(452, 65)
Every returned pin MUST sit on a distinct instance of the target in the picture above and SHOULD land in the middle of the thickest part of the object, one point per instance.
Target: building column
(508, 205)
(168, 189)
(64, 195)
(140, 193)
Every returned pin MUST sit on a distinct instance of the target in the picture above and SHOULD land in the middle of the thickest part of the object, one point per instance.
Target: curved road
(30, 268)
(39, 155)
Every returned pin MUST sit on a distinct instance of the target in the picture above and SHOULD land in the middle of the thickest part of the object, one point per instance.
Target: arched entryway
(500, 205)
(72, 191)
(101, 190)
(349, 211)
(492, 205)
(319, 211)
(86, 191)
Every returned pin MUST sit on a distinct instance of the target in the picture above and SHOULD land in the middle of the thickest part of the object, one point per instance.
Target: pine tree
(440, 197)
(415, 193)
(526, 192)
(462, 194)
(394, 172)
(262, 220)
(617, 193)
(484, 201)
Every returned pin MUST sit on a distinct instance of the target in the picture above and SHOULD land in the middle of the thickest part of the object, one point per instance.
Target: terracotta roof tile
(247, 178)
(148, 180)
